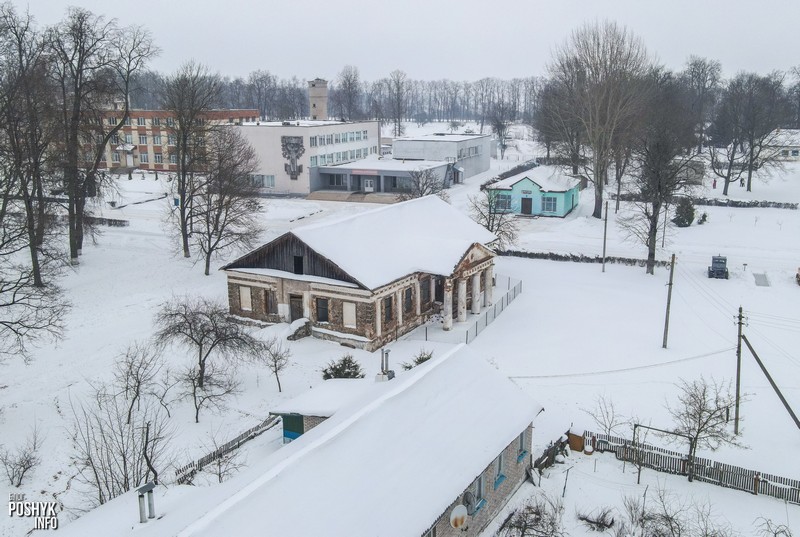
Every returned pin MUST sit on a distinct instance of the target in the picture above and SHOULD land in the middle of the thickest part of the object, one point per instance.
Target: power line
(624, 369)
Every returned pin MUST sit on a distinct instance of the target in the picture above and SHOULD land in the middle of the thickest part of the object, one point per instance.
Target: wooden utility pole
(605, 234)
(669, 300)
(739, 322)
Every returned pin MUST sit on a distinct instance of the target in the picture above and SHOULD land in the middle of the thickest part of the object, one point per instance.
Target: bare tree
(135, 373)
(189, 94)
(275, 356)
(701, 415)
(113, 456)
(224, 209)
(262, 86)
(397, 90)
(703, 78)
(500, 120)
(606, 416)
(211, 389)
(606, 61)
(485, 209)
(662, 150)
(768, 528)
(423, 182)
(226, 464)
(348, 87)
(203, 326)
(541, 516)
(24, 459)
(93, 64)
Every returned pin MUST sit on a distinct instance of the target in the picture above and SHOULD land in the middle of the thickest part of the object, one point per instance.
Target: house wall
(309, 422)
(383, 177)
(155, 123)
(444, 149)
(526, 188)
(266, 141)
(514, 468)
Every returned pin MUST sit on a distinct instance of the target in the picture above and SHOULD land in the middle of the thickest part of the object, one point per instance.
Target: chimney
(386, 373)
(318, 98)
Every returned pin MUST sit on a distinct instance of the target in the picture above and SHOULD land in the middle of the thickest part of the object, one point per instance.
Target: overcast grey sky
(434, 39)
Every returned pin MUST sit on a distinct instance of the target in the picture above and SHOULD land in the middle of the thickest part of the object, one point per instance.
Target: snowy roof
(327, 398)
(379, 246)
(389, 464)
(385, 164)
(300, 277)
(300, 123)
(549, 179)
(442, 137)
(784, 138)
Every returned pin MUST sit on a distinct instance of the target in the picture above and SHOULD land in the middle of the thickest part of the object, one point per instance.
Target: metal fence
(705, 470)
(185, 473)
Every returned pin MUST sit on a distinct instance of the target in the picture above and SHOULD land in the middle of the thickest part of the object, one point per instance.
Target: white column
(476, 293)
(378, 317)
(487, 285)
(448, 304)
(462, 300)
(398, 300)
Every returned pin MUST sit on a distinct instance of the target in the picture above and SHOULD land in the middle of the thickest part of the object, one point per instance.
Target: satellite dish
(458, 517)
(469, 502)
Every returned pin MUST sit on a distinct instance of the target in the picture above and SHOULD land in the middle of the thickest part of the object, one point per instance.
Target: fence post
(756, 482)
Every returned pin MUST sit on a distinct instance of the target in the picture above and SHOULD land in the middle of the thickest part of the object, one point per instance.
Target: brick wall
(514, 469)
(309, 422)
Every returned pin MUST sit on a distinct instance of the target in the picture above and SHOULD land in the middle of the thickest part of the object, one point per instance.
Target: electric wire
(624, 369)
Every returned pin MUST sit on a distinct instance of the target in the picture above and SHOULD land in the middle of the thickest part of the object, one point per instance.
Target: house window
(336, 179)
(795, 152)
(358, 136)
(115, 138)
(337, 138)
(298, 264)
(502, 203)
(352, 154)
(158, 158)
(114, 157)
(144, 158)
(142, 139)
(784, 152)
(322, 160)
(156, 139)
(127, 121)
(128, 138)
(245, 299)
(112, 121)
(349, 314)
(351, 136)
(269, 181)
(321, 140)
(173, 159)
(270, 302)
(388, 313)
(312, 142)
(425, 288)
(407, 303)
(140, 121)
(549, 204)
(521, 451)
(480, 501)
(329, 139)
(313, 162)
(364, 135)
(499, 476)
(170, 122)
(156, 121)
(322, 310)
(171, 139)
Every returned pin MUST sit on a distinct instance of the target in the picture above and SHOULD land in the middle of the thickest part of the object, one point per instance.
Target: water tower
(318, 98)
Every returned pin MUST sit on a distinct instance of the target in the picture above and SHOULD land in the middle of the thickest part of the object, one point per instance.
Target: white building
(289, 151)
(469, 152)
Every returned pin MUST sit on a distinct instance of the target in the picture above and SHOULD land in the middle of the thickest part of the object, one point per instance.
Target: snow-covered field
(575, 333)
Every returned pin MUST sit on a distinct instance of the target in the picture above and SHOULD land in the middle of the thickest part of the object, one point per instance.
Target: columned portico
(447, 307)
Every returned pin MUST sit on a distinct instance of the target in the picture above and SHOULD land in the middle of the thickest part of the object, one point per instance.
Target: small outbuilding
(540, 191)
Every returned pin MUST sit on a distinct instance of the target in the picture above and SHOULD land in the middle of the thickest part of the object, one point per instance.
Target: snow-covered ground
(575, 332)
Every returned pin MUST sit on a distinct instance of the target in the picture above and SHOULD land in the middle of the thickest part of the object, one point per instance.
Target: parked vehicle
(719, 267)
(797, 276)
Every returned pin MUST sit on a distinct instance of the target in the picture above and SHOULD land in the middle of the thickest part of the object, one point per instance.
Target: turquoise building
(541, 191)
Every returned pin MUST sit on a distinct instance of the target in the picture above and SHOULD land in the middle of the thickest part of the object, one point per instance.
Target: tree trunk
(652, 238)
(599, 180)
(31, 230)
(279, 381)
(201, 371)
(208, 263)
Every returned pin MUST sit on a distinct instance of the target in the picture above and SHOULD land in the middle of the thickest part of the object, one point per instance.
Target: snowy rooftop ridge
(443, 137)
(549, 179)
(784, 137)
